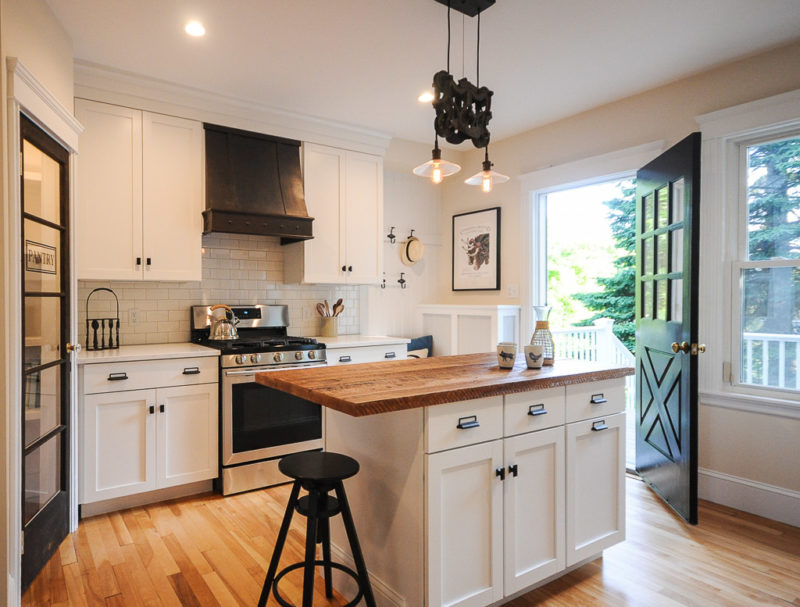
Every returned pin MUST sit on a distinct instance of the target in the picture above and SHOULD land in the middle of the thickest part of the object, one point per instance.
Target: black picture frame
(475, 258)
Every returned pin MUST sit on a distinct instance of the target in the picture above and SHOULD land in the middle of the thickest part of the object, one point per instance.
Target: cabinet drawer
(463, 423)
(534, 410)
(140, 374)
(595, 399)
(365, 354)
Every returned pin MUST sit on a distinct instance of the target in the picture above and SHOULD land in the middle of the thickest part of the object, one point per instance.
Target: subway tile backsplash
(237, 269)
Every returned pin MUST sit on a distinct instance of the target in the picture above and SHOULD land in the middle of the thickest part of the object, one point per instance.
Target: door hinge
(22, 542)
(726, 372)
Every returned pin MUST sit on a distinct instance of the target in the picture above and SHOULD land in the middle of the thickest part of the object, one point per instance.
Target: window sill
(751, 404)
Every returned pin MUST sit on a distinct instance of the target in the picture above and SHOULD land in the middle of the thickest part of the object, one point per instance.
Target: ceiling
(364, 62)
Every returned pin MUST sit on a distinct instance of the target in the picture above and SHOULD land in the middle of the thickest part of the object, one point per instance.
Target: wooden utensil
(327, 308)
(337, 309)
(321, 310)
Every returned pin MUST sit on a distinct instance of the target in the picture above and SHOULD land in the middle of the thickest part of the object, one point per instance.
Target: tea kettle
(223, 327)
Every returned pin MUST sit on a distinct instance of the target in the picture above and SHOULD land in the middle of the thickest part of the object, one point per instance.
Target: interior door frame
(27, 95)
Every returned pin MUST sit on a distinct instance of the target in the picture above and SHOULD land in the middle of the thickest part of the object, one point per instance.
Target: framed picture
(476, 250)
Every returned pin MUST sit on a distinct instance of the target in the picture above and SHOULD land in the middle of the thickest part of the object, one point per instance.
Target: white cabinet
(140, 440)
(459, 329)
(139, 195)
(595, 486)
(465, 526)
(344, 195)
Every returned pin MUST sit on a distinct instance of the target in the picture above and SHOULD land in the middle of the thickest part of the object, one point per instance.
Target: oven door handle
(242, 372)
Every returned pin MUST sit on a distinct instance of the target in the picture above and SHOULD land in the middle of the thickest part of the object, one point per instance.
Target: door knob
(698, 348)
(681, 347)
(73, 347)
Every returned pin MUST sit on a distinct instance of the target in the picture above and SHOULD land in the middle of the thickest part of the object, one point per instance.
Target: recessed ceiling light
(426, 97)
(195, 28)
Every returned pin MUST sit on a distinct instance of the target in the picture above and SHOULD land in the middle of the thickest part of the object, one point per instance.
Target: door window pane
(42, 330)
(647, 256)
(42, 402)
(41, 187)
(661, 299)
(649, 213)
(676, 243)
(663, 207)
(678, 189)
(676, 300)
(42, 477)
(647, 299)
(771, 327)
(662, 253)
(42, 258)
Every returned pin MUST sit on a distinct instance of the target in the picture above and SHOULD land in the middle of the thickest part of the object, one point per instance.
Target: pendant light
(436, 168)
(487, 177)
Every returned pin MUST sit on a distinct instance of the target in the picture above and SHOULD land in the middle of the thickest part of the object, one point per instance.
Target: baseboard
(384, 595)
(142, 499)
(765, 500)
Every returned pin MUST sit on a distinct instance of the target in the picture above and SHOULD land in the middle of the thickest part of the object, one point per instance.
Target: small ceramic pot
(534, 356)
(506, 353)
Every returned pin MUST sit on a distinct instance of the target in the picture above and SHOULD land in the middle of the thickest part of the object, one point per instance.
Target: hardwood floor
(211, 550)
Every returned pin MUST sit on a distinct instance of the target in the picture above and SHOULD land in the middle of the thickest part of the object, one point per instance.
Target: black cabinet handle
(161, 408)
(469, 421)
(117, 376)
(349, 268)
(512, 470)
(598, 399)
(138, 261)
(345, 359)
(149, 261)
(501, 472)
(390, 355)
(191, 371)
(599, 425)
(537, 410)
(344, 268)
(152, 409)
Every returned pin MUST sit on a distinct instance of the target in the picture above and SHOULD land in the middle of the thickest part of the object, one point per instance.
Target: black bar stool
(318, 472)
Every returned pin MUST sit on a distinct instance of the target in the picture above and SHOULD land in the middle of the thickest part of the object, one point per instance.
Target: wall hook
(402, 280)
(410, 236)
(383, 282)
(391, 235)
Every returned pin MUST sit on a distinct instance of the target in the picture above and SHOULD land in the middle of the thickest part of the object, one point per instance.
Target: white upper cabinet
(344, 195)
(139, 195)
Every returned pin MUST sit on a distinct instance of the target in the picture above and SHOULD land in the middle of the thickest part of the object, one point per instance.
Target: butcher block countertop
(382, 387)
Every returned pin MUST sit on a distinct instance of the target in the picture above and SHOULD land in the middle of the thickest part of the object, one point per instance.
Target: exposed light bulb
(486, 183)
(436, 175)
(425, 97)
(195, 28)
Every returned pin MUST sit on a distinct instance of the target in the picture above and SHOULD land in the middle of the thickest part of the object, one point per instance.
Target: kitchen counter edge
(145, 352)
(354, 341)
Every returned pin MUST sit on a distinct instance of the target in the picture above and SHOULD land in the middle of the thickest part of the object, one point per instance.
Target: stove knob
(277, 357)
(255, 358)
(312, 355)
(298, 355)
(241, 359)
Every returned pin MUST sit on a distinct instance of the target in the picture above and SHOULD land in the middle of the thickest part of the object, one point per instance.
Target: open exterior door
(667, 239)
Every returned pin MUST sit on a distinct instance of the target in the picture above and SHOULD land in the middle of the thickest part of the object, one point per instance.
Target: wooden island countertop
(382, 387)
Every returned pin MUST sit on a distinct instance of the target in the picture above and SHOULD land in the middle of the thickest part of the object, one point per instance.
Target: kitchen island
(477, 483)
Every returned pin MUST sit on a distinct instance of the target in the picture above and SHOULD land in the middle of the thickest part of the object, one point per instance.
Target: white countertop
(145, 352)
(353, 341)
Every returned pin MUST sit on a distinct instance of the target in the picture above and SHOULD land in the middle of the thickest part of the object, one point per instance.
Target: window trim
(723, 209)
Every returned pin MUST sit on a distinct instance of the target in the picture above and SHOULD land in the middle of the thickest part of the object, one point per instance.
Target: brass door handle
(698, 348)
(73, 347)
(681, 347)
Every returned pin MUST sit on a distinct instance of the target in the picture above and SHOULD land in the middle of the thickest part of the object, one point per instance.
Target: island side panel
(387, 500)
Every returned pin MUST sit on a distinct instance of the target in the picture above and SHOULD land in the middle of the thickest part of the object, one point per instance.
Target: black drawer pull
(599, 425)
(598, 399)
(470, 421)
(138, 261)
(161, 408)
(390, 355)
(117, 376)
(345, 359)
(537, 410)
(191, 371)
(152, 409)
(512, 470)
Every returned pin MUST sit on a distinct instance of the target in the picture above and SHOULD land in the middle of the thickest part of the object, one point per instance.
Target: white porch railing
(597, 343)
(771, 359)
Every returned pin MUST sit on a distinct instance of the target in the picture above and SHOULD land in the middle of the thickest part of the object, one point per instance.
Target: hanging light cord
(478, 54)
(463, 16)
(448, 36)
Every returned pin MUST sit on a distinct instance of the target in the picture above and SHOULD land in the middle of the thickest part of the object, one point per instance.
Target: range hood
(254, 185)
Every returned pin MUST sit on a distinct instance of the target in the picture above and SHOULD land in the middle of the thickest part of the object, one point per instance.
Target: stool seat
(318, 466)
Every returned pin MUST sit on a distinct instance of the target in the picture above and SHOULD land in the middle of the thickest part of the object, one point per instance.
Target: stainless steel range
(259, 425)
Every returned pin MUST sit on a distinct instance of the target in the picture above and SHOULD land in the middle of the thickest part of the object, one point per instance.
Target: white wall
(739, 448)
(30, 32)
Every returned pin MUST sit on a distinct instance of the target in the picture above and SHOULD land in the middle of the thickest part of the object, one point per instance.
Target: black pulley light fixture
(463, 110)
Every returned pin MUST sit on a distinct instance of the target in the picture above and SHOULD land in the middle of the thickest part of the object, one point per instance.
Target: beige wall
(30, 32)
(745, 445)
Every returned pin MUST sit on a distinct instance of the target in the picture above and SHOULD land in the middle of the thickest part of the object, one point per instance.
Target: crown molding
(101, 83)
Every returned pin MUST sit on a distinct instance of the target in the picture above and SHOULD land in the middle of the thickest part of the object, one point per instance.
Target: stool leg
(325, 538)
(358, 557)
(276, 553)
(311, 549)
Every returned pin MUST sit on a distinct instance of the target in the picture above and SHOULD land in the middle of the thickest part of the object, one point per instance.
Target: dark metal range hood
(254, 185)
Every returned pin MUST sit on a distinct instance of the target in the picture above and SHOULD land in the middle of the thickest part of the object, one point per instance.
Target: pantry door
(45, 398)
(667, 248)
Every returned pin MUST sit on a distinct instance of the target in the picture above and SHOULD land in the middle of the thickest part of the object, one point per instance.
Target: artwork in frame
(476, 250)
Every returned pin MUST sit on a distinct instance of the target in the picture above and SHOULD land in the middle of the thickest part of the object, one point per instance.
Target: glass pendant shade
(436, 168)
(487, 177)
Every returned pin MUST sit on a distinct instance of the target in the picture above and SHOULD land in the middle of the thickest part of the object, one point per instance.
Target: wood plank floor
(211, 550)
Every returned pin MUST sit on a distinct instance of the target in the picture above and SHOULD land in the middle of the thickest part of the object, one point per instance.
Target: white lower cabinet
(595, 486)
(134, 441)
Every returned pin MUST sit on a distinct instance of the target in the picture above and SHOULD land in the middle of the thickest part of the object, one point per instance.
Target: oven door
(260, 422)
